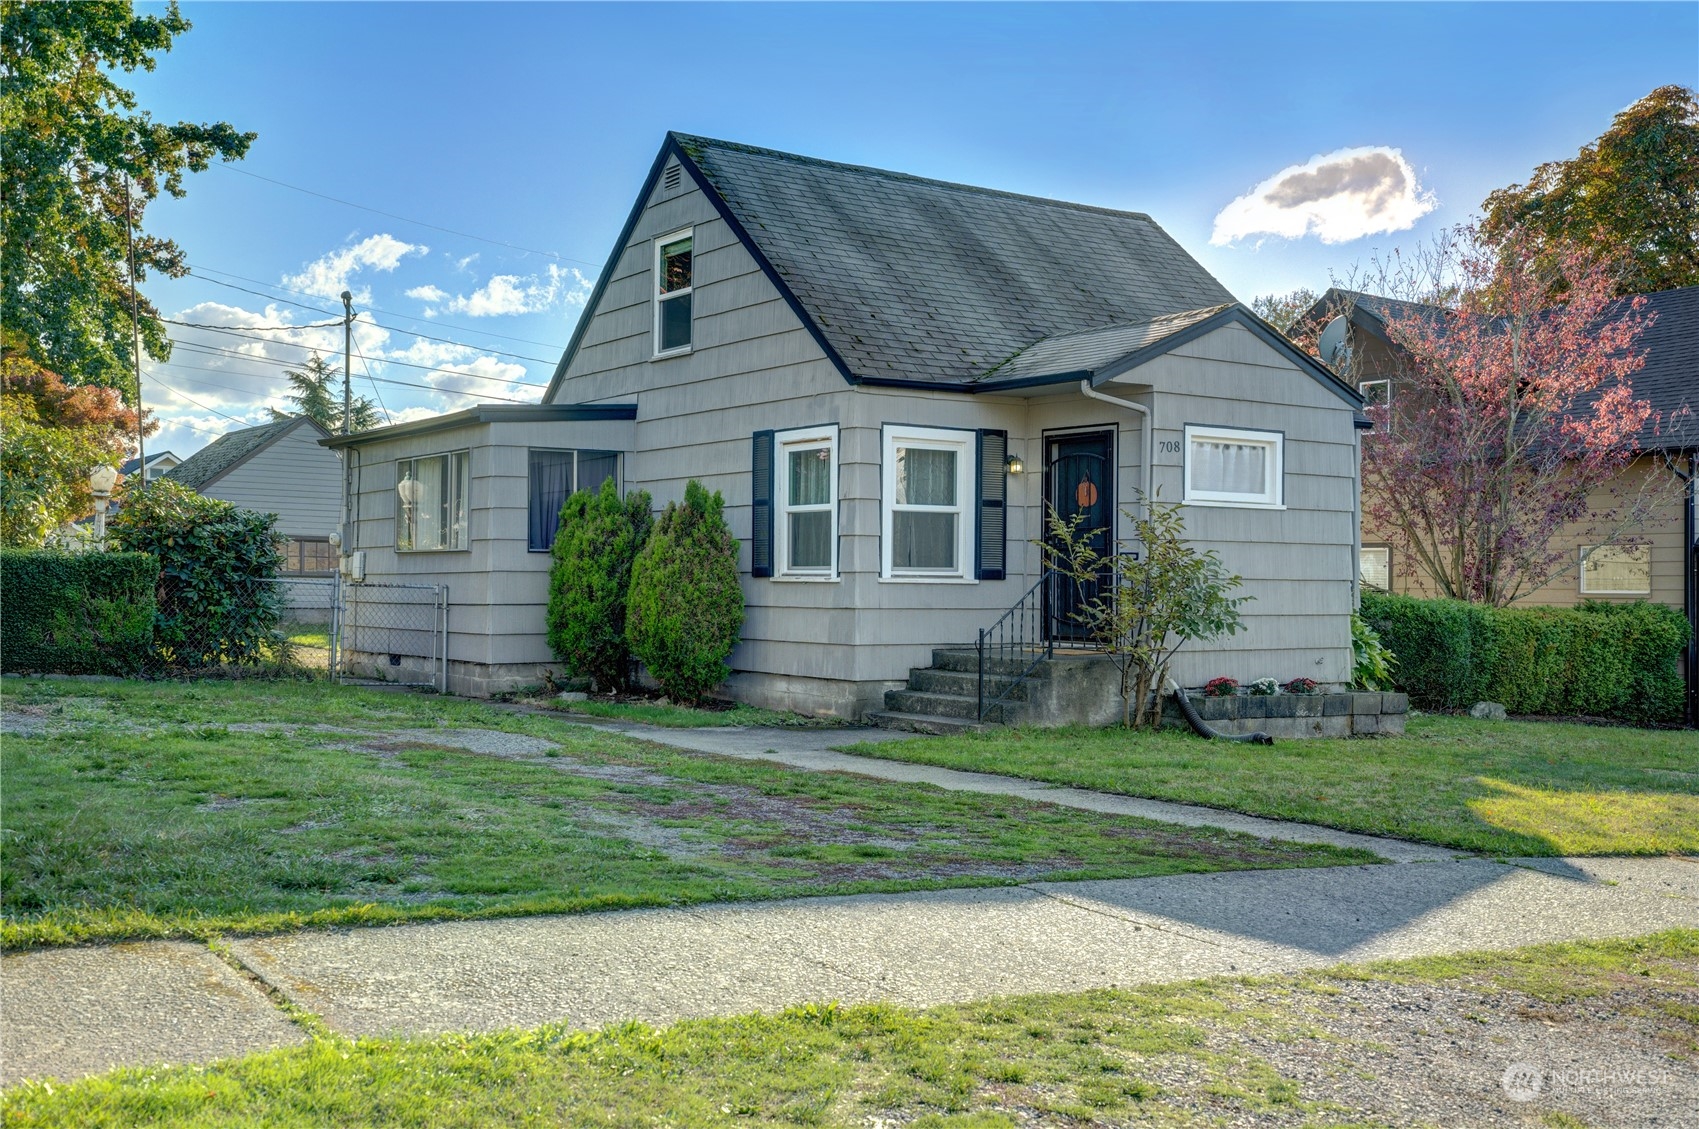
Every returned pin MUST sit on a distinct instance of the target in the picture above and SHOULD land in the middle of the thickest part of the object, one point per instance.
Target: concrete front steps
(944, 697)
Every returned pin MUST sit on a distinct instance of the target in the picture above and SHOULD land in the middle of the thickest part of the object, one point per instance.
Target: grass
(308, 635)
(1508, 788)
(1206, 1052)
(192, 810)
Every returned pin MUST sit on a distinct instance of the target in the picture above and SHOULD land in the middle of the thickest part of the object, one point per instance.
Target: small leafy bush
(77, 613)
(685, 609)
(1301, 686)
(217, 600)
(1372, 662)
(1264, 688)
(1221, 687)
(1598, 659)
(599, 537)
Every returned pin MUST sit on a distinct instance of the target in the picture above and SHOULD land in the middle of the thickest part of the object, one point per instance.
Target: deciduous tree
(1514, 408)
(1634, 191)
(78, 154)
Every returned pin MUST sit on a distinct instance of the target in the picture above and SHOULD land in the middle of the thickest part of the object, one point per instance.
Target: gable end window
(1378, 394)
(928, 520)
(674, 274)
(1616, 570)
(1228, 466)
(431, 502)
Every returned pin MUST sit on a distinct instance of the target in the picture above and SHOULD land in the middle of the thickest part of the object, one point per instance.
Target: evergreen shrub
(685, 610)
(1597, 659)
(599, 537)
(76, 613)
(217, 600)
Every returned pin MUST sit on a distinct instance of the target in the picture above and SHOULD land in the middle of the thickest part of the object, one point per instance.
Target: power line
(255, 328)
(196, 270)
(406, 219)
(376, 391)
(192, 400)
(215, 354)
(384, 360)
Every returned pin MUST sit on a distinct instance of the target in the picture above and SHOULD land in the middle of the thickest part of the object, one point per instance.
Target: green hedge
(1598, 659)
(76, 613)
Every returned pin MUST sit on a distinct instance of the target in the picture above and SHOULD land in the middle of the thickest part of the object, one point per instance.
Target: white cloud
(329, 275)
(1336, 197)
(508, 294)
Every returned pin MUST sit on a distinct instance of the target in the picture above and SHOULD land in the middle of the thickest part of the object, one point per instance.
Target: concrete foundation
(1341, 714)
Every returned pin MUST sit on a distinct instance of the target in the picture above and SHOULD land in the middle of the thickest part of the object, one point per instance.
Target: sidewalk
(70, 1012)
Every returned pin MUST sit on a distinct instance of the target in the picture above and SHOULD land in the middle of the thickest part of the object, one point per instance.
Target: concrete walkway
(814, 750)
(70, 1012)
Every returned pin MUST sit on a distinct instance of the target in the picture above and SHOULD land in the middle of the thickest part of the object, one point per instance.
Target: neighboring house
(1656, 560)
(158, 463)
(886, 377)
(278, 468)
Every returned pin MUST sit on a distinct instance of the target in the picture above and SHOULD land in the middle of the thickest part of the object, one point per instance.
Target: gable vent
(670, 180)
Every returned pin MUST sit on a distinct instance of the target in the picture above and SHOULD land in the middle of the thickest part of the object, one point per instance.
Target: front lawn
(1509, 788)
(170, 809)
(1412, 1042)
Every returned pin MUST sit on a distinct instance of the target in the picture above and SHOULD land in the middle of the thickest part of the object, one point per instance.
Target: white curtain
(922, 539)
(1229, 468)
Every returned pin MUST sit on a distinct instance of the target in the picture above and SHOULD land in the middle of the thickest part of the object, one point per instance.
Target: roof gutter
(1147, 429)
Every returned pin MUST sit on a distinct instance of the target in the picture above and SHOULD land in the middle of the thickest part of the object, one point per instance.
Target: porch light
(101, 480)
(1015, 465)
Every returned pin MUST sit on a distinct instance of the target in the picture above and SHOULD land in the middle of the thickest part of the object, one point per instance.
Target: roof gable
(229, 451)
(899, 278)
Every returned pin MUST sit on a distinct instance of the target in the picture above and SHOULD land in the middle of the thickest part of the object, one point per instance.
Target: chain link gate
(392, 633)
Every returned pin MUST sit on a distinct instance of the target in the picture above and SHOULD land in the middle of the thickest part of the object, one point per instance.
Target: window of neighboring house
(1234, 467)
(1616, 570)
(554, 475)
(928, 481)
(309, 556)
(1374, 567)
(806, 502)
(1378, 394)
(673, 289)
(432, 501)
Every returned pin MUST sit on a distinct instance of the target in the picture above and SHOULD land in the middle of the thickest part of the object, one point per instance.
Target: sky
(464, 169)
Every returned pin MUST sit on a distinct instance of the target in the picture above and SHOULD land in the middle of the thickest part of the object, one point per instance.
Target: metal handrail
(1018, 630)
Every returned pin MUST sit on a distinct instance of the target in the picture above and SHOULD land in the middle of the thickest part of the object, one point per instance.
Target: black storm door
(1079, 475)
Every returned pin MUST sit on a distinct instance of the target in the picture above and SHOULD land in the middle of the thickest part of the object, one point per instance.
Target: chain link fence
(394, 633)
(352, 632)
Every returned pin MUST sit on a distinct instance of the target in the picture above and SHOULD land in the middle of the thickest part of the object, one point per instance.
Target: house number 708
(1169, 446)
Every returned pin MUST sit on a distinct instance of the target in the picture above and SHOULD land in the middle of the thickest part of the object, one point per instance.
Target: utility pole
(347, 361)
(135, 333)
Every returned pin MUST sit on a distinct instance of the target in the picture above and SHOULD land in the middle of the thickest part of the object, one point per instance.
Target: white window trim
(1589, 550)
(1362, 387)
(1274, 498)
(807, 438)
(656, 294)
(463, 453)
(935, 438)
(1383, 549)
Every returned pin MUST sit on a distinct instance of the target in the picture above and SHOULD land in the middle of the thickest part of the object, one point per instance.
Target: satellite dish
(1331, 344)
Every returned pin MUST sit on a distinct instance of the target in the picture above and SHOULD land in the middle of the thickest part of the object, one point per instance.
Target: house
(1657, 559)
(158, 462)
(887, 378)
(281, 468)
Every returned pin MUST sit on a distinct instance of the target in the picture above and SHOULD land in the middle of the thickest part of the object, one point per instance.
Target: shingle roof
(1669, 379)
(224, 453)
(1092, 349)
(925, 280)
(129, 465)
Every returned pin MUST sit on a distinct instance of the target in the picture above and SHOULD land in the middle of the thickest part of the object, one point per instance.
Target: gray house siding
(294, 478)
(498, 589)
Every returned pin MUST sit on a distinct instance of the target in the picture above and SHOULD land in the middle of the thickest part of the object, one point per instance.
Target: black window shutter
(761, 513)
(992, 541)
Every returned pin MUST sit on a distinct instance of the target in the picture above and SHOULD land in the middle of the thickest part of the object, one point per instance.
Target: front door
(1079, 476)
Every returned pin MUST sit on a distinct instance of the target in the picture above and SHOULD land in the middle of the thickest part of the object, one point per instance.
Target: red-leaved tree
(1514, 414)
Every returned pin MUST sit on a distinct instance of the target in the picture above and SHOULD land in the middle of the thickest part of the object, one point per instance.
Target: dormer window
(673, 275)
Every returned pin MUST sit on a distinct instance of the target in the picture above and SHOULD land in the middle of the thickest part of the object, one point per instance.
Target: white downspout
(1147, 429)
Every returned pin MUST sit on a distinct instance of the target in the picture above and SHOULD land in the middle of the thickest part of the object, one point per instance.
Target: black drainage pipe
(1202, 728)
